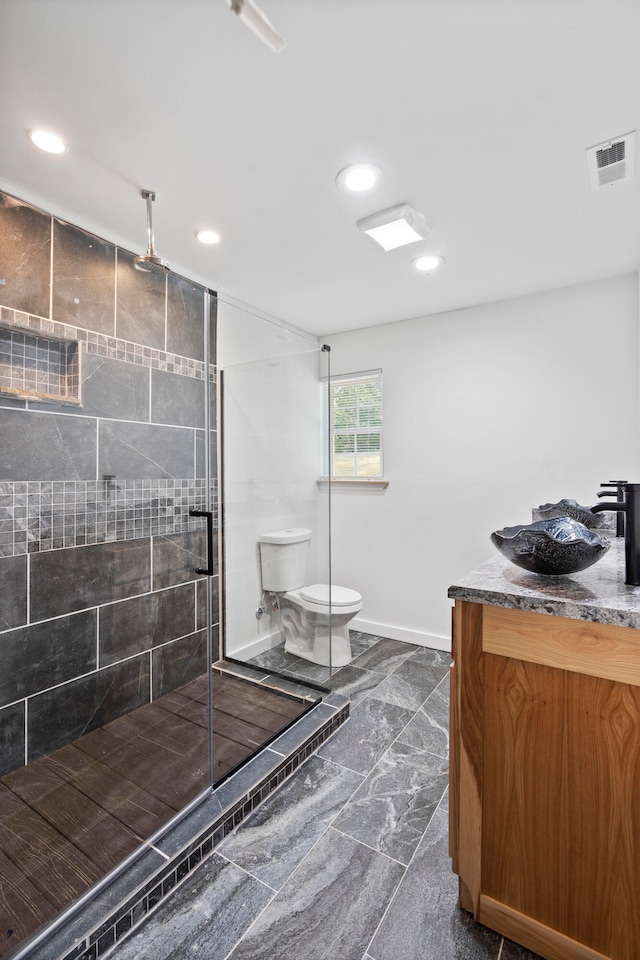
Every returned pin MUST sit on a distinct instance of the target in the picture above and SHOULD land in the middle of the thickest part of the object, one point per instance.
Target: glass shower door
(274, 505)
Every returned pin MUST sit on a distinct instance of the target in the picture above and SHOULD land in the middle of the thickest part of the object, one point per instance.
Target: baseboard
(432, 640)
(260, 645)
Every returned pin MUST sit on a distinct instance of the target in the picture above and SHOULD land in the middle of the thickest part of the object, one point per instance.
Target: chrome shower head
(149, 262)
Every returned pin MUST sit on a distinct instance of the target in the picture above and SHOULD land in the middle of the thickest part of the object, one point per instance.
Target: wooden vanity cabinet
(545, 780)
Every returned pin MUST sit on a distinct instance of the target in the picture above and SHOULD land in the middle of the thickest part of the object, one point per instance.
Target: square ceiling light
(395, 227)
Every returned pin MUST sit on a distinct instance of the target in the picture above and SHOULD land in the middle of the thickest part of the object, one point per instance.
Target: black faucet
(618, 493)
(630, 507)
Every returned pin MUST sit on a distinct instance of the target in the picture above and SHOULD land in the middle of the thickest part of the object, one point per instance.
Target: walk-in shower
(116, 716)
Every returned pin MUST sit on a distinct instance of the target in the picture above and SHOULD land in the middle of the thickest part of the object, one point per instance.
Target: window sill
(355, 481)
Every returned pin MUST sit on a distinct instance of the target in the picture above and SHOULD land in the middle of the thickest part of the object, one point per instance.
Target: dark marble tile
(203, 917)
(513, 951)
(140, 306)
(25, 256)
(429, 729)
(140, 451)
(370, 730)
(12, 402)
(12, 743)
(412, 682)
(44, 654)
(385, 656)
(258, 770)
(392, 808)
(361, 642)
(176, 399)
(110, 388)
(64, 714)
(354, 682)
(83, 279)
(132, 626)
(202, 601)
(316, 914)
(177, 556)
(430, 923)
(303, 729)
(185, 317)
(13, 595)
(279, 834)
(176, 663)
(58, 447)
(196, 824)
(79, 577)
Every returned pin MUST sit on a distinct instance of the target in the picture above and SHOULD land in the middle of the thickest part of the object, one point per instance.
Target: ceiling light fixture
(45, 140)
(359, 177)
(395, 227)
(208, 236)
(428, 262)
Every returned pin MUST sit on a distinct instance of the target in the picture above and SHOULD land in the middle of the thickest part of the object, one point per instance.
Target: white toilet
(309, 631)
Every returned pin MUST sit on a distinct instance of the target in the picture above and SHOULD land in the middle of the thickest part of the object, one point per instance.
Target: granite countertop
(598, 593)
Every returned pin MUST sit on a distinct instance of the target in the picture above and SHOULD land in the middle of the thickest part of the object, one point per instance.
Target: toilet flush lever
(208, 571)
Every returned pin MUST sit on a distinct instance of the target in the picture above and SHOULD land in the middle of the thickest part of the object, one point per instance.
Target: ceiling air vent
(612, 161)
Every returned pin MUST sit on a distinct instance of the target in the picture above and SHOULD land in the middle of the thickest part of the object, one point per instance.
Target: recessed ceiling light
(45, 140)
(427, 263)
(395, 227)
(359, 177)
(208, 236)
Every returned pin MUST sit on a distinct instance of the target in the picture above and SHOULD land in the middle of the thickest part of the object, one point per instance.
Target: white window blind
(354, 411)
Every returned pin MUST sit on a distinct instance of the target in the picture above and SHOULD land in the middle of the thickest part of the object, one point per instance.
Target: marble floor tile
(204, 917)
(429, 729)
(392, 808)
(354, 682)
(361, 642)
(512, 951)
(274, 840)
(329, 909)
(386, 655)
(424, 920)
(371, 729)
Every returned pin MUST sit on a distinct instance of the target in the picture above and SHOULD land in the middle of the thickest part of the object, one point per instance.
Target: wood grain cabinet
(545, 780)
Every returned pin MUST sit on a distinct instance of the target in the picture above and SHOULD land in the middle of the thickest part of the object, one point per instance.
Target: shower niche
(39, 367)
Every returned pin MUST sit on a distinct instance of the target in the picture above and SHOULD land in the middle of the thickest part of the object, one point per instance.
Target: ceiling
(478, 111)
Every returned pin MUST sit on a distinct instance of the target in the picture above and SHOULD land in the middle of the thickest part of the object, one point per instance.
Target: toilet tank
(283, 558)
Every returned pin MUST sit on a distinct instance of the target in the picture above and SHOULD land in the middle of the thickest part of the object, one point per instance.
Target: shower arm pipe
(149, 196)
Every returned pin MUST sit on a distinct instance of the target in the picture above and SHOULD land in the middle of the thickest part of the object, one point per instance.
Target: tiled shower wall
(101, 609)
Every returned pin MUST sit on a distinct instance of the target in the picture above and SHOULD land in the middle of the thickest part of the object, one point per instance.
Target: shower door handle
(208, 571)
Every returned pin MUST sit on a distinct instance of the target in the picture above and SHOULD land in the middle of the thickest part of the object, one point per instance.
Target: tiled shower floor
(348, 860)
(69, 818)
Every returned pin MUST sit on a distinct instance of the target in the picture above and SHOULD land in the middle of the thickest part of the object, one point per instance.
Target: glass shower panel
(105, 625)
(276, 513)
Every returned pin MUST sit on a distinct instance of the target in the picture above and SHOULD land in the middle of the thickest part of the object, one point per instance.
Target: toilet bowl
(315, 621)
(314, 618)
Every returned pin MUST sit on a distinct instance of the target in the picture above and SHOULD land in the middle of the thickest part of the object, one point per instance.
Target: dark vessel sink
(551, 547)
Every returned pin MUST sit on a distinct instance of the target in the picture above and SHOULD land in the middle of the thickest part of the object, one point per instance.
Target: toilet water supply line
(269, 603)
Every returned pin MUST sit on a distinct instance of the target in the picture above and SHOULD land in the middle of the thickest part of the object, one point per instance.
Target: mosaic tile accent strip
(111, 348)
(128, 914)
(32, 365)
(36, 516)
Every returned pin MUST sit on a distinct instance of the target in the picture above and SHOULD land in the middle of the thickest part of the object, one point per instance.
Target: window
(355, 429)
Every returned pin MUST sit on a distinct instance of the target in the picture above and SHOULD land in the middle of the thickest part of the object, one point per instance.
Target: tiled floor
(348, 860)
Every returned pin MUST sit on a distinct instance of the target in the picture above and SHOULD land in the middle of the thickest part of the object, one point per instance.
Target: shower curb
(95, 931)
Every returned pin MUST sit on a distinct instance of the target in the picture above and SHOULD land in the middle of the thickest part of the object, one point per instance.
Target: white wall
(488, 411)
(271, 446)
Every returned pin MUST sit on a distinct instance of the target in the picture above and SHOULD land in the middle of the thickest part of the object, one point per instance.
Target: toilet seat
(338, 596)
